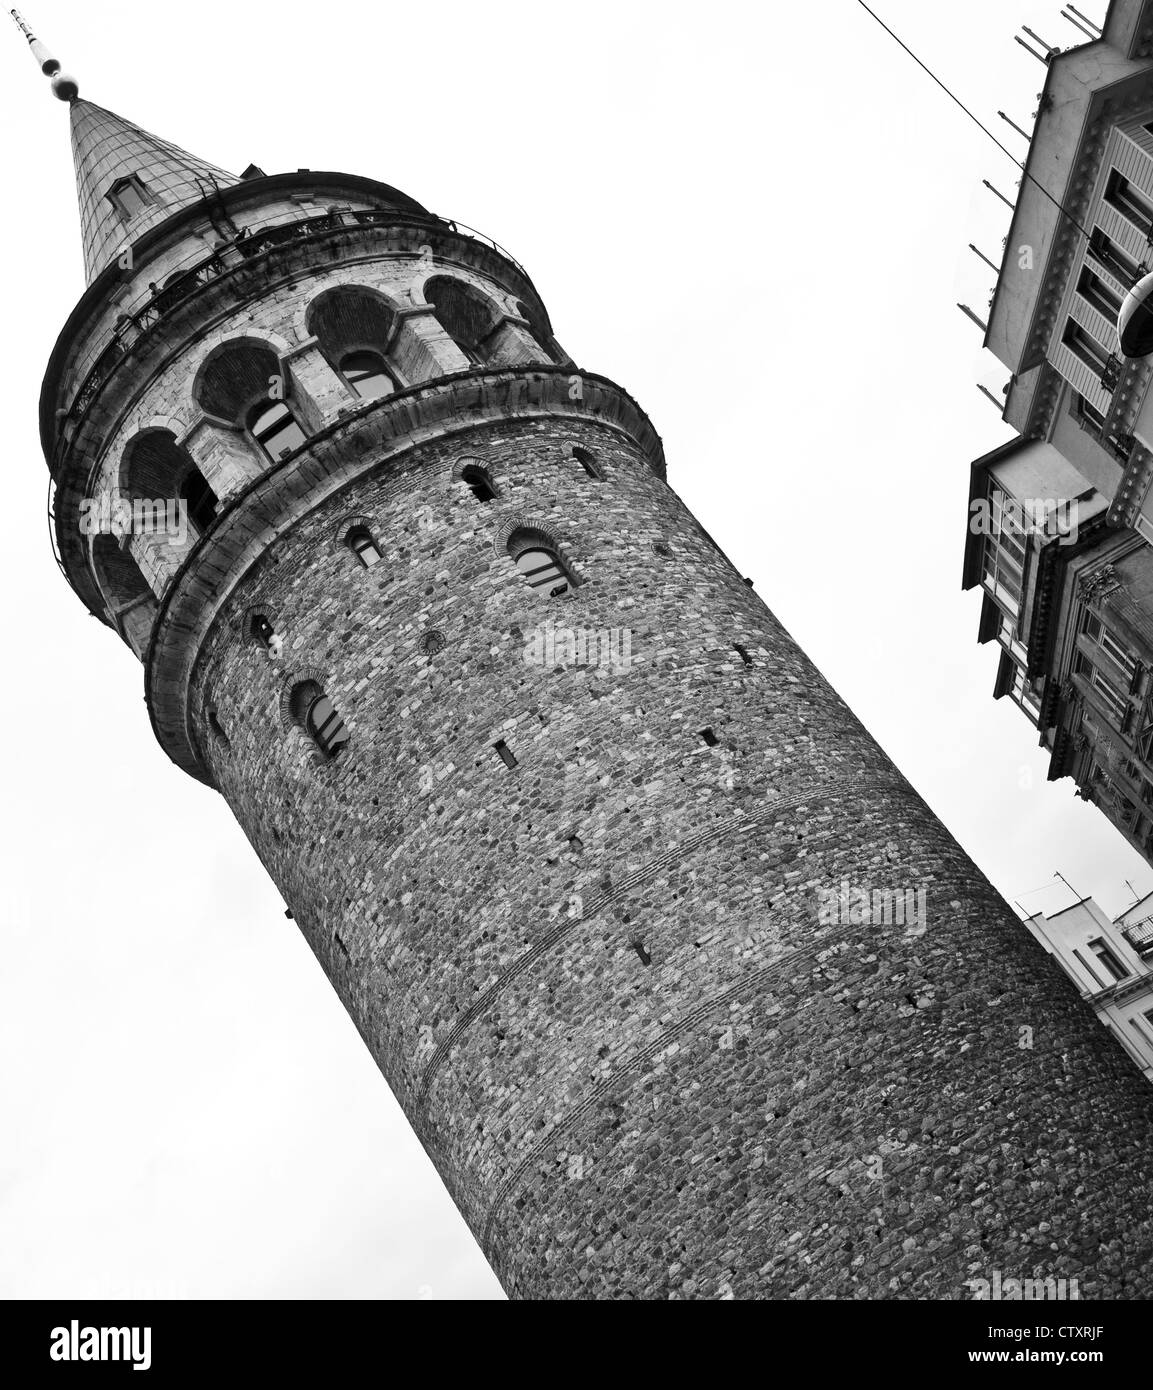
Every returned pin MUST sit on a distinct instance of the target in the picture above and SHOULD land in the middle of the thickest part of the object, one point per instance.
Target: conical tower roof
(128, 181)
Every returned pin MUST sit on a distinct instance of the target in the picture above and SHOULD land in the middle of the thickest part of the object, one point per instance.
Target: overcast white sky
(754, 218)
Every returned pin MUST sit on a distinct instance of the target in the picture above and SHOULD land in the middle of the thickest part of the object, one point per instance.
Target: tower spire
(65, 87)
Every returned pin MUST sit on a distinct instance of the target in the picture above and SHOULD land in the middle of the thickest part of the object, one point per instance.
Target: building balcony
(1140, 936)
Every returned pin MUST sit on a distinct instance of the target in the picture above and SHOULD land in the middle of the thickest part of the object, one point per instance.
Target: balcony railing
(1140, 936)
(131, 327)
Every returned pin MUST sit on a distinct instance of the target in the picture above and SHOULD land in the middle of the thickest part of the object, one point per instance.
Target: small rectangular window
(1098, 294)
(1108, 959)
(129, 197)
(709, 737)
(1111, 258)
(1130, 202)
(505, 753)
(1085, 347)
(1088, 416)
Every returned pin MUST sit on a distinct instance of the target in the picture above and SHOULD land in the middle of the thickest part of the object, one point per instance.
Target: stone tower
(599, 864)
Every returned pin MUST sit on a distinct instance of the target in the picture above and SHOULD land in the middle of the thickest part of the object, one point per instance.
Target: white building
(1111, 963)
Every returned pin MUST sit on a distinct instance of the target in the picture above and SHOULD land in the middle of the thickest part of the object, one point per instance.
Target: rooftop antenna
(1136, 895)
(65, 87)
(1058, 874)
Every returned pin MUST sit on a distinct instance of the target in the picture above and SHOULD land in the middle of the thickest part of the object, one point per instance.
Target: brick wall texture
(767, 1106)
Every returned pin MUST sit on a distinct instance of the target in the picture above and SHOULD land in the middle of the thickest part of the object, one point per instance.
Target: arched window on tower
(362, 543)
(540, 563)
(464, 313)
(480, 483)
(353, 326)
(244, 382)
(366, 373)
(317, 715)
(274, 428)
(588, 463)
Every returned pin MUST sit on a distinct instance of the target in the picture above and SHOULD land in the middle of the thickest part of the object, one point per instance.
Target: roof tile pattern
(106, 149)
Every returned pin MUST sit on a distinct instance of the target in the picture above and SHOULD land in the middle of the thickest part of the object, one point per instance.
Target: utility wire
(976, 120)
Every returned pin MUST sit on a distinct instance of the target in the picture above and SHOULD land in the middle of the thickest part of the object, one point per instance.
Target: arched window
(315, 712)
(353, 326)
(362, 543)
(543, 570)
(479, 482)
(261, 630)
(588, 463)
(201, 500)
(366, 373)
(463, 312)
(275, 429)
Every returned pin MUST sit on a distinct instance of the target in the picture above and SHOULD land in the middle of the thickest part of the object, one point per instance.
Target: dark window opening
(366, 373)
(505, 753)
(588, 463)
(202, 501)
(275, 429)
(1108, 959)
(1110, 257)
(1088, 416)
(480, 484)
(315, 712)
(1130, 202)
(261, 629)
(639, 948)
(743, 653)
(1098, 294)
(1085, 347)
(709, 737)
(362, 544)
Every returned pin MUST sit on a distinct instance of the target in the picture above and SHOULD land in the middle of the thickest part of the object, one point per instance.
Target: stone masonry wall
(601, 982)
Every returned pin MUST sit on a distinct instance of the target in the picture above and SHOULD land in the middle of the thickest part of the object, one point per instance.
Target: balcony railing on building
(1140, 936)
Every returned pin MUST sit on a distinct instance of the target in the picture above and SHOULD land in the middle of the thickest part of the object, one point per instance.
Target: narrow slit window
(588, 463)
(505, 753)
(318, 716)
(709, 737)
(362, 543)
(743, 653)
(1108, 959)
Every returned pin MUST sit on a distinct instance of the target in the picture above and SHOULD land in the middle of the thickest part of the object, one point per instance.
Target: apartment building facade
(1060, 524)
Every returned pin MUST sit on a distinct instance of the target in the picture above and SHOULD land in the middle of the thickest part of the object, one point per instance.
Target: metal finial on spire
(65, 87)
